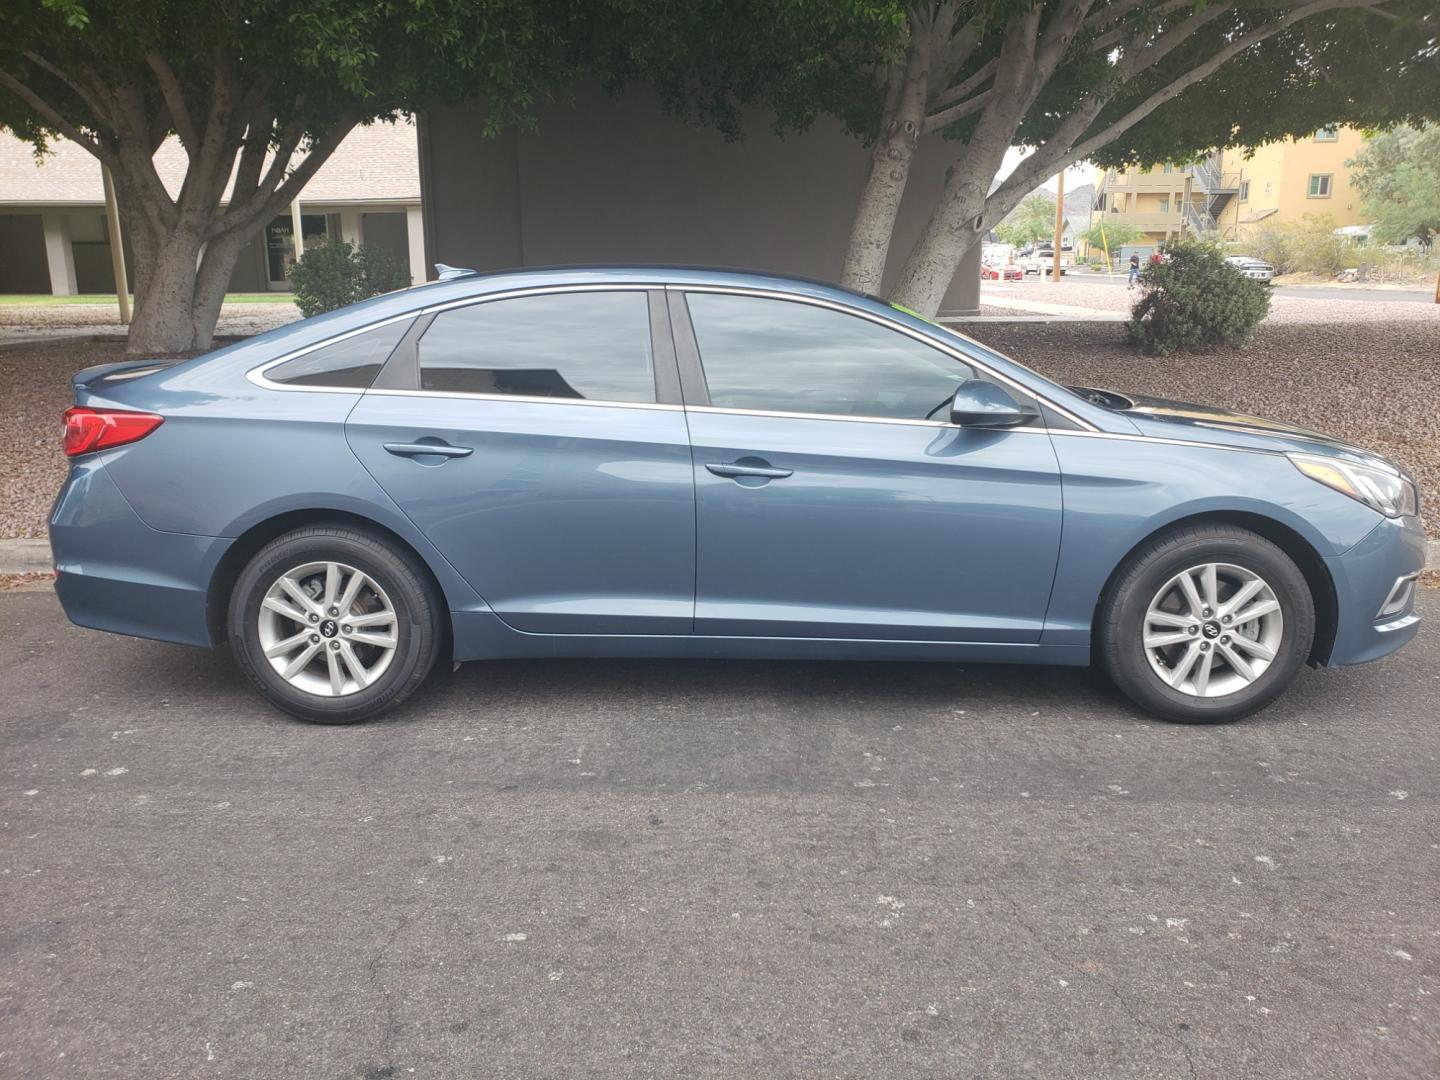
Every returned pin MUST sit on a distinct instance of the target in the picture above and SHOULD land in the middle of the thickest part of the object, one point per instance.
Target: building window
(1320, 185)
(1164, 206)
(1100, 202)
(1244, 190)
(1167, 168)
(1327, 135)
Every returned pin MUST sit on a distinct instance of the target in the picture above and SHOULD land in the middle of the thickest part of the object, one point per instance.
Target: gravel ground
(1283, 309)
(1371, 383)
(23, 321)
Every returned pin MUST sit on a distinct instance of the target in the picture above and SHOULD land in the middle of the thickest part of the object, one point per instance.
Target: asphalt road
(1302, 292)
(664, 869)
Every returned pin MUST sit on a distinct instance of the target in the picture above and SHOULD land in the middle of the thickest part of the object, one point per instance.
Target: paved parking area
(664, 869)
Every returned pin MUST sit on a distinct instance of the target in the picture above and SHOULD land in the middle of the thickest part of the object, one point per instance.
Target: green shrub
(1195, 300)
(333, 274)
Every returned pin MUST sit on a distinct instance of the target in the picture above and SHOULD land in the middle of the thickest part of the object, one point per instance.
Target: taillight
(88, 430)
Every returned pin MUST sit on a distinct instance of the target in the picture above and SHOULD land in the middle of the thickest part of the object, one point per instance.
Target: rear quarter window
(349, 364)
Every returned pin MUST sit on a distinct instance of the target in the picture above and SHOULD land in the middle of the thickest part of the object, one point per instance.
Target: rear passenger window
(586, 345)
(350, 363)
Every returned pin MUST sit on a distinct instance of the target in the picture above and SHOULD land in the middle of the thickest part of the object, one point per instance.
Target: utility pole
(1059, 224)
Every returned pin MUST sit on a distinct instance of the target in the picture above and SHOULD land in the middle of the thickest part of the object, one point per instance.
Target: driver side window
(785, 356)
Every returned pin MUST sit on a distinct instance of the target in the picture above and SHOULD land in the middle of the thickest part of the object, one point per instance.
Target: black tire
(419, 634)
(1122, 616)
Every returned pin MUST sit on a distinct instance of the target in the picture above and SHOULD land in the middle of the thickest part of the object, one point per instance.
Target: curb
(33, 556)
(25, 556)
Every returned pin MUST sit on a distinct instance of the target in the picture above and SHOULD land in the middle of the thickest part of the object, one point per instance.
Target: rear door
(833, 498)
(539, 442)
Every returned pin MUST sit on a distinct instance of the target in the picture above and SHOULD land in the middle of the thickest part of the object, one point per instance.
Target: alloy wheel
(327, 628)
(1213, 630)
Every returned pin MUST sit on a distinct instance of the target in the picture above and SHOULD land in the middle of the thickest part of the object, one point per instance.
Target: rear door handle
(404, 449)
(736, 469)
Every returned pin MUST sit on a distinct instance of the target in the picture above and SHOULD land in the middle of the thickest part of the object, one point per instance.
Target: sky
(1076, 175)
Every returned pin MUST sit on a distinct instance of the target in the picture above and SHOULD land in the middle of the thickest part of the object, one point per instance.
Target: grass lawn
(41, 300)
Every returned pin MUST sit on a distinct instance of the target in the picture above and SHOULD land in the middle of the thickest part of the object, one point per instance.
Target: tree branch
(946, 117)
(262, 207)
(174, 97)
(959, 93)
(53, 118)
(1042, 164)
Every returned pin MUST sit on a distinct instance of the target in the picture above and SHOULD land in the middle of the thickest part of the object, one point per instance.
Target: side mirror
(981, 404)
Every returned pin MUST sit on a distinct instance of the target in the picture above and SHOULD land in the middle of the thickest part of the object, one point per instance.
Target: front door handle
(741, 469)
(417, 449)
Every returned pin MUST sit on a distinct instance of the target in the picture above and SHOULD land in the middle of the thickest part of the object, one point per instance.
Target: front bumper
(115, 573)
(1365, 578)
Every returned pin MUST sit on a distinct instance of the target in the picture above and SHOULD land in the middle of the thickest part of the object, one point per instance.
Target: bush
(336, 273)
(1195, 300)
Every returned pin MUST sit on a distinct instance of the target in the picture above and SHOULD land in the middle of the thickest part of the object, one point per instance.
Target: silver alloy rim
(328, 629)
(1213, 630)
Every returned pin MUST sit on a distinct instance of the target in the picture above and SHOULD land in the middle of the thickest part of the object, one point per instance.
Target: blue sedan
(646, 462)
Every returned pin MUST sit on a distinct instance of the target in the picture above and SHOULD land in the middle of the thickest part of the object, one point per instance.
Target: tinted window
(352, 362)
(792, 357)
(593, 345)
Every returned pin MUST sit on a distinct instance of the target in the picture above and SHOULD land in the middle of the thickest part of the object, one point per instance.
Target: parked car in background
(665, 462)
(1258, 269)
(1042, 261)
(998, 273)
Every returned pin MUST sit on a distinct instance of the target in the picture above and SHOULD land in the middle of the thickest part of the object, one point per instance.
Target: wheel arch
(1300, 550)
(243, 549)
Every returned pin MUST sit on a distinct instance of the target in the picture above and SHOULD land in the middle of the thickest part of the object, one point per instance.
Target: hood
(1164, 418)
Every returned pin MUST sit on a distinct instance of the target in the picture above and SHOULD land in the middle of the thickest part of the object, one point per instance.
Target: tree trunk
(956, 225)
(216, 266)
(888, 171)
(164, 310)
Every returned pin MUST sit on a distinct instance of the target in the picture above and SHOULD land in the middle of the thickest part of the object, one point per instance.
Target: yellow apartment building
(1231, 193)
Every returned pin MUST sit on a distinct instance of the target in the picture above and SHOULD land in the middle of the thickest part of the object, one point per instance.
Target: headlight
(1377, 487)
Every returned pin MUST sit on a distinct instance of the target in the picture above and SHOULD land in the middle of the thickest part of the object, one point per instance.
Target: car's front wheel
(332, 625)
(1205, 624)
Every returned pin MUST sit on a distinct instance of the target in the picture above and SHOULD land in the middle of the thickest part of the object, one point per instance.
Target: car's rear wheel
(1206, 624)
(332, 625)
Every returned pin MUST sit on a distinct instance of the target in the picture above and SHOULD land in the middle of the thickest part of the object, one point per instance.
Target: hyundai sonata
(644, 462)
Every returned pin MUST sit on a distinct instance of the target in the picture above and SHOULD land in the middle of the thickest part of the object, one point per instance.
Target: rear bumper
(115, 573)
(1365, 577)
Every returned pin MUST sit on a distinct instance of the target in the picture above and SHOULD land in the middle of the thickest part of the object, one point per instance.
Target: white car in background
(1258, 269)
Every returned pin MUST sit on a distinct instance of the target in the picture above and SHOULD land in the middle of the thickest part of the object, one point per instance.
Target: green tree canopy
(261, 92)
(1398, 175)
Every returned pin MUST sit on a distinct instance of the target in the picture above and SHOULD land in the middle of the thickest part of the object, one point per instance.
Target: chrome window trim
(256, 375)
(727, 411)
(526, 400)
(879, 320)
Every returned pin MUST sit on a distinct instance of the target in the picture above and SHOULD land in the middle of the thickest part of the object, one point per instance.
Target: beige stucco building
(54, 237)
(1232, 192)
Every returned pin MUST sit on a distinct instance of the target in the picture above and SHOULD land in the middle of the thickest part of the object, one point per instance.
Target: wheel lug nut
(1225, 618)
(314, 617)
(1192, 630)
(334, 644)
(334, 611)
(1204, 646)
(1224, 639)
(314, 637)
(346, 629)
(1206, 612)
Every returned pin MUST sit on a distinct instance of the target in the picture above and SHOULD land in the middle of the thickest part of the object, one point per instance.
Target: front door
(535, 452)
(831, 501)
